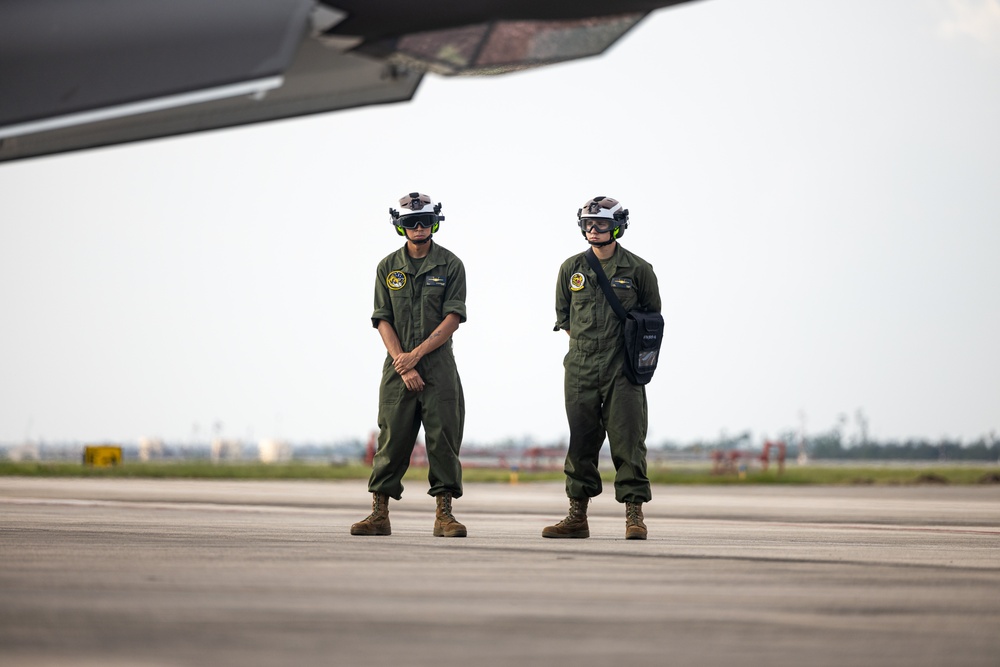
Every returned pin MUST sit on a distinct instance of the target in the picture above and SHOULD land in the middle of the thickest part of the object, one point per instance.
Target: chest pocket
(402, 306)
(582, 303)
(432, 291)
(624, 288)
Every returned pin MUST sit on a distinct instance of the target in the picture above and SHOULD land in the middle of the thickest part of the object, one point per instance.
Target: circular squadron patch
(577, 281)
(396, 280)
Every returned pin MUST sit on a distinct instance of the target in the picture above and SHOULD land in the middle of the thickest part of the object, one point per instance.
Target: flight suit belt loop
(587, 345)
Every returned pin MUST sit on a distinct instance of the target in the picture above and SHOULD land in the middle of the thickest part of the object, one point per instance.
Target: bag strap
(602, 280)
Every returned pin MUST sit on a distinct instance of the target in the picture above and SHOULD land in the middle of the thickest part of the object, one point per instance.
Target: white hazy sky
(816, 183)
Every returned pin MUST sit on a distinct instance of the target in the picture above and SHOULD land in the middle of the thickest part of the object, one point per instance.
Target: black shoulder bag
(643, 331)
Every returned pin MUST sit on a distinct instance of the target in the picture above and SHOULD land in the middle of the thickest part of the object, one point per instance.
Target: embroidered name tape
(621, 283)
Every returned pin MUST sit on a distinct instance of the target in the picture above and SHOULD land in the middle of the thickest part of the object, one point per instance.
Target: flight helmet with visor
(603, 214)
(416, 209)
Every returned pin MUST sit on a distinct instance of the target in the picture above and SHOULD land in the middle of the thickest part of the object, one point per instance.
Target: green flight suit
(414, 296)
(599, 398)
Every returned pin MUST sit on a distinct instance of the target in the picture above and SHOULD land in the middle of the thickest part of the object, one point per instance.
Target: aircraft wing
(78, 74)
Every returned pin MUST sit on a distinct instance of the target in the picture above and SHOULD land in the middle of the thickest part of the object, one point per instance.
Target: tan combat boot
(445, 524)
(377, 523)
(575, 523)
(635, 528)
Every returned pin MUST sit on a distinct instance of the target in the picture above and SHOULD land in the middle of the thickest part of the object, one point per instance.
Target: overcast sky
(816, 183)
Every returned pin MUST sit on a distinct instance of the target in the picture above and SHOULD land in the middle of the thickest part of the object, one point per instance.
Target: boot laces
(633, 512)
(577, 511)
(378, 508)
(444, 507)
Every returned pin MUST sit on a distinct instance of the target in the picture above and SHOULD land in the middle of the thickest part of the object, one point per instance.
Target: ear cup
(434, 229)
(399, 230)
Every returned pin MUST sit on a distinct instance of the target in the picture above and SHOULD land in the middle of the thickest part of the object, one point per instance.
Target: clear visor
(599, 225)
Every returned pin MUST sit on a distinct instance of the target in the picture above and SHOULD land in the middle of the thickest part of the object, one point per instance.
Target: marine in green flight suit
(600, 400)
(419, 303)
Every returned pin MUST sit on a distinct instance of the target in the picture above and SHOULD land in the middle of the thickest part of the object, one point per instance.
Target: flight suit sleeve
(454, 296)
(383, 306)
(562, 300)
(649, 296)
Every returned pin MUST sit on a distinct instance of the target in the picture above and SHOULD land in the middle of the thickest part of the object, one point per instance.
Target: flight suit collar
(620, 259)
(401, 261)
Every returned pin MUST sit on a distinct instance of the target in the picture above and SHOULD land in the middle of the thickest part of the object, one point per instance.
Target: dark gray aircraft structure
(79, 74)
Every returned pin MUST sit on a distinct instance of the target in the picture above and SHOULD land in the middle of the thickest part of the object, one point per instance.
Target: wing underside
(78, 74)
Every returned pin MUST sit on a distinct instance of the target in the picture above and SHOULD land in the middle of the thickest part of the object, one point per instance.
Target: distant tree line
(830, 446)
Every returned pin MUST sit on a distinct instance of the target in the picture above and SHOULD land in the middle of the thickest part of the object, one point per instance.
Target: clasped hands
(405, 364)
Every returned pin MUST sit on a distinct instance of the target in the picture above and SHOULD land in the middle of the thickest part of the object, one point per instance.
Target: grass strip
(896, 474)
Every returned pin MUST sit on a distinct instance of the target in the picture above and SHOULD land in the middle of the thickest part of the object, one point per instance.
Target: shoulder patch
(396, 280)
(577, 281)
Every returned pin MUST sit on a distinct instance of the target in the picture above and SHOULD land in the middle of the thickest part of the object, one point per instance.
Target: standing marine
(419, 303)
(600, 400)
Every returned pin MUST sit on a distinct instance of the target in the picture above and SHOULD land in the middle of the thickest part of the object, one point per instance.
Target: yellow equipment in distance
(102, 455)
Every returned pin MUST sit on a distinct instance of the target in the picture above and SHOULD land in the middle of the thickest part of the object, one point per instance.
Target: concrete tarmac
(180, 572)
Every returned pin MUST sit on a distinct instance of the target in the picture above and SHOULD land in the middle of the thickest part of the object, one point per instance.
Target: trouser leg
(399, 423)
(586, 429)
(444, 424)
(625, 413)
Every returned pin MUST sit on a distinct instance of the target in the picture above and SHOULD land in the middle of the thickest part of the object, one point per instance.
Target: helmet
(416, 209)
(603, 211)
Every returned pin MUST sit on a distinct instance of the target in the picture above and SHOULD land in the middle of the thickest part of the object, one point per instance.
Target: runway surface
(182, 572)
